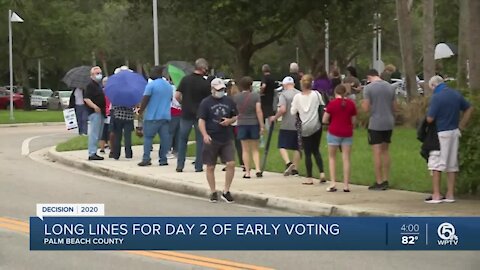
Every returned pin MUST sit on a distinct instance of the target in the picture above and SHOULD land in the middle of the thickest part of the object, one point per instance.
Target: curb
(247, 198)
(31, 124)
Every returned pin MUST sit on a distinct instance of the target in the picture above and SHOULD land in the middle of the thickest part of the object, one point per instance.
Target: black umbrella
(186, 67)
(78, 77)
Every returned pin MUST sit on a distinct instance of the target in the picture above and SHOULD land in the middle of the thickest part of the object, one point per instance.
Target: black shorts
(379, 136)
(214, 150)
(288, 139)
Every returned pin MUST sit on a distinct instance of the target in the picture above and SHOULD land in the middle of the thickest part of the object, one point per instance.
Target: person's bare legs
(101, 144)
(254, 145)
(377, 162)
(284, 155)
(451, 176)
(346, 151)
(437, 176)
(332, 156)
(385, 161)
(229, 173)
(246, 156)
(296, 158)
(211, 177)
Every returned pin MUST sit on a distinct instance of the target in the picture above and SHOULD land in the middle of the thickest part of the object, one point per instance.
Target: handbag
(321, 107)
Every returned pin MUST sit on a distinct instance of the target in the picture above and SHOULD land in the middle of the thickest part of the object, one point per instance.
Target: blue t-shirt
(160, 92)
(445, 107)
(212, 110)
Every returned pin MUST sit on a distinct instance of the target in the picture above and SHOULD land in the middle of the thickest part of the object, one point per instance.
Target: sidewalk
(273, 190)
(32, 124)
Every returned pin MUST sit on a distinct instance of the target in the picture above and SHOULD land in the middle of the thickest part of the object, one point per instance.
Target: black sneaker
(385, 184)
(95, 157)
(295, 173)
(377, 186)
(179, 170)
(145, 163)
(201, 170)
(213, 197)
(162, 164)
(288, 169)
(227, 197)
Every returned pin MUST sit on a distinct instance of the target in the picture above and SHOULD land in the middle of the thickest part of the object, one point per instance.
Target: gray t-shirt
(246, 107)
(381, 96)
(288, 120)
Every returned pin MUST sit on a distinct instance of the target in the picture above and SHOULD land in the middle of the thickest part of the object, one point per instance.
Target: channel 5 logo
(446, 233)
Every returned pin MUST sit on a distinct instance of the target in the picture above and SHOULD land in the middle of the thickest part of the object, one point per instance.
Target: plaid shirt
(123, 113)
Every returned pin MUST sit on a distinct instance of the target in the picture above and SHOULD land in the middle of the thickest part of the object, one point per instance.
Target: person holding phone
(216, 115)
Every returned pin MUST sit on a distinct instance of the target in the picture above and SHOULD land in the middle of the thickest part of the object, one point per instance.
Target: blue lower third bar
(255, 233)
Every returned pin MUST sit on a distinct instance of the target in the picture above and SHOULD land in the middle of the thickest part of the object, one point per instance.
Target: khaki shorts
(445, 160)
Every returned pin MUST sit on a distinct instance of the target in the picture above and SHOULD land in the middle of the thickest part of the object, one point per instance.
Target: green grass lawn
(408, 167)
(31, 116)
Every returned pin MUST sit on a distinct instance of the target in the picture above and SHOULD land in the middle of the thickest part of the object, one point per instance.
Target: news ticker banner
(255, 233)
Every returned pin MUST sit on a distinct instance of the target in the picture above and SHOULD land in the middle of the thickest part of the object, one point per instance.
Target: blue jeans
(185, 128)
(82, 118)
(174, 131)
(94, 132)
(150, 129)
(122, 127)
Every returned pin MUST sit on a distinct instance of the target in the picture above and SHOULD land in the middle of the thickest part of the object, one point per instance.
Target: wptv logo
(446, 233)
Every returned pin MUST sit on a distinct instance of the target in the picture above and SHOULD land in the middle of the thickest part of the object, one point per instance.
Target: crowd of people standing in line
(229, 119)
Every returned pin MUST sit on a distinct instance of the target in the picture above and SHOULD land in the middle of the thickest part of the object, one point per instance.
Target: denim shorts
(248, 132)
(334, 140)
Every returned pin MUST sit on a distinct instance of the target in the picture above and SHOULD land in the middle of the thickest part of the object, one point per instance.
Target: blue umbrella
(125, 88)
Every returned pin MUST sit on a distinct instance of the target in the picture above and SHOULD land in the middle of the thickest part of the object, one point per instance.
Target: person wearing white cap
(216, 114)
(287, 137)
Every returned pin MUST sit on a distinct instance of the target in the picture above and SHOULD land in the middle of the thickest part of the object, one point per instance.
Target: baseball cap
(218, 84)
(288, 80)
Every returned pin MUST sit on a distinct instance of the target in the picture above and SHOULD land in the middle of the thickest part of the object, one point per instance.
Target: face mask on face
(219, 94)
(98, 77)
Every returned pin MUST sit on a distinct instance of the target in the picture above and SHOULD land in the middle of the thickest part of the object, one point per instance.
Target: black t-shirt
(212, 110)
(94, 92)
(194, 89)
(267, 97)
(296, 80)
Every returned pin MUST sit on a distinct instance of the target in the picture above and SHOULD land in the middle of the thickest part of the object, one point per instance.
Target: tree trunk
(473, 52)
(463, 41)
(428, 42)
(242, 64)
(23, 70)
(406, 46)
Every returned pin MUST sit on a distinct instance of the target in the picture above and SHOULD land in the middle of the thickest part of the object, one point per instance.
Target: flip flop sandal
(346, 190)
(331, 189)
(307, 183)
(246, 177)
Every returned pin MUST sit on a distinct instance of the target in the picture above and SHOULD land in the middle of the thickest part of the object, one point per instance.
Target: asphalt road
(26, 180)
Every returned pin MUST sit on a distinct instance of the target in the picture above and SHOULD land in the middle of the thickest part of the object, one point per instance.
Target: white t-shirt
(78, 96)
(307, 108)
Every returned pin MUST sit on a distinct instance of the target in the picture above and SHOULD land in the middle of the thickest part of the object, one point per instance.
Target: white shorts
(445, 160)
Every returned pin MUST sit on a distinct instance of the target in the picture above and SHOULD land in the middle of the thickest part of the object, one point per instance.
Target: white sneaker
(170, 156)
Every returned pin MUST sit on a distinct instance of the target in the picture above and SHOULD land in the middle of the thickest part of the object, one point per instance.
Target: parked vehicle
(5, 99)
(39, 98)
(59, 100)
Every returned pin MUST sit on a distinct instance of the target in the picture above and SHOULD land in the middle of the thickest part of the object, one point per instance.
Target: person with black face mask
(216, 114)
(192, 90)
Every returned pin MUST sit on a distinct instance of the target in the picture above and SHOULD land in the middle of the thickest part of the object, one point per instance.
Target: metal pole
(374, 57)
(39, 74)
(327, 48)
(155, 33)
(379, 40)
(297, 58)
(12, 118)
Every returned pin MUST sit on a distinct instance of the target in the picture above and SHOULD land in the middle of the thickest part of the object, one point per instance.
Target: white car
(59, 100)
(39, 98)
